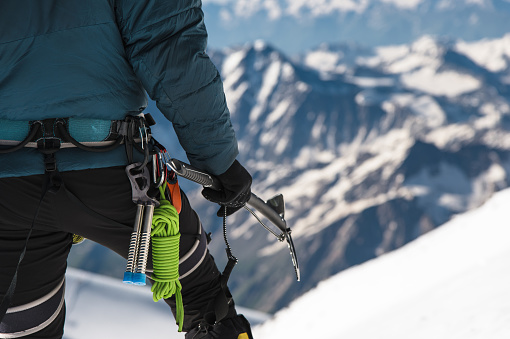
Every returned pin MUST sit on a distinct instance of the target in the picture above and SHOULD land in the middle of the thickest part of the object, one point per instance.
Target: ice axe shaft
(265, 208)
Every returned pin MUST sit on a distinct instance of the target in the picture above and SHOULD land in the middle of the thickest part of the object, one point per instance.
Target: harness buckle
(50, 163)
(48, 147)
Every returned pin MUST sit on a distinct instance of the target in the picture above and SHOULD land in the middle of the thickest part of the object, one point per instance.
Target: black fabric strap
(224, 299)
(219, 307)
(50, 177)
(6, 302)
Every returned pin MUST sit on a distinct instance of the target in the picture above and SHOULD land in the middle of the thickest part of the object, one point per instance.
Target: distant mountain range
(371, 147)
(297, 25)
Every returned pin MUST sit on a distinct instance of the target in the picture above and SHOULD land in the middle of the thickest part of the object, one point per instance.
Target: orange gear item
(175, 195)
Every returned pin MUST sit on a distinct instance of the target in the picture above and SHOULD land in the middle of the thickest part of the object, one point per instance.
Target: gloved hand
(236, 190)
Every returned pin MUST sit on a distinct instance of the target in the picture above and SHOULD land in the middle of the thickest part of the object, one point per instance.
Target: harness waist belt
(89, 132)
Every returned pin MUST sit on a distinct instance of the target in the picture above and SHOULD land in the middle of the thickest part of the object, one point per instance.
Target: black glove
(236, 190)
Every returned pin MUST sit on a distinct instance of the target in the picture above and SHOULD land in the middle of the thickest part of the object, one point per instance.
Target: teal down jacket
(97, 59)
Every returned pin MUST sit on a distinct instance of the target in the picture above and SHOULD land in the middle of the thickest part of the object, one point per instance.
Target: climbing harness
(93, 135)
(49, 136)
(156, 193)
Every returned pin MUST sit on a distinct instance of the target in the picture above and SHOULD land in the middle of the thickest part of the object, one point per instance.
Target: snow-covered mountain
(373, 150)
(371, 147)
(295, 25)
(450, 283)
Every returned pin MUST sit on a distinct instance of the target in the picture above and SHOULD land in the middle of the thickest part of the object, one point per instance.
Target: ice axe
(273, 209)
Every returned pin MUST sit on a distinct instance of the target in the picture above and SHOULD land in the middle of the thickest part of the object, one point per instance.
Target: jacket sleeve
(165, 42)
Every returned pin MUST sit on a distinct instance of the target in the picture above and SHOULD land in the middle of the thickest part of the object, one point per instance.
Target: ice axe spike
(273, 209)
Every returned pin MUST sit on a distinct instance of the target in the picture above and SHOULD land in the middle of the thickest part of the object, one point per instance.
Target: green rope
(165, 255)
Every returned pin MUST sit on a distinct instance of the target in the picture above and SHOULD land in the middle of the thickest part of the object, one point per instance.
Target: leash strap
(6, 302)
(54, 179)
(220, 305)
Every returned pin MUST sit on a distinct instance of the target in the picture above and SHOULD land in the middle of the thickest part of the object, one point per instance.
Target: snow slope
(101, 307)
(452, 283)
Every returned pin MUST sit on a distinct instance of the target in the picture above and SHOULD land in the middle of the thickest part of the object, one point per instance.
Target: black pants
(109, 222)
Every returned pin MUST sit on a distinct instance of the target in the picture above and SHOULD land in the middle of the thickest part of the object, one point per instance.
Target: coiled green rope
(165, 255)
